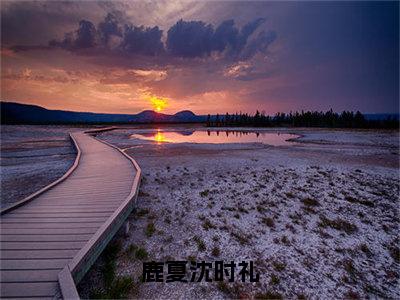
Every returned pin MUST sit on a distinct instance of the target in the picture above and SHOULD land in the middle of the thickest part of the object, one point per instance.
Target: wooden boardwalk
(48, 243)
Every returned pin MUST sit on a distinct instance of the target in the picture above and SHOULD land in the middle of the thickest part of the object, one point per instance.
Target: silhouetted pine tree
(346, 119)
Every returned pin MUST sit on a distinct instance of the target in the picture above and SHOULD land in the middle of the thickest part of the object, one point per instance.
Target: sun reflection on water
(159, 137)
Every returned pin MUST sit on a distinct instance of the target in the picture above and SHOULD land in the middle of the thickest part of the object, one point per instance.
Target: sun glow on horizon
(158, 103)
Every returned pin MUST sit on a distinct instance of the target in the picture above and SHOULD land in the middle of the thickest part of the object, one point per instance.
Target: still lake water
(216, 137)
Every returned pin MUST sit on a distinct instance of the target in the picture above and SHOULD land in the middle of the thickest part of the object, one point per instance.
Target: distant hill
(15, 113)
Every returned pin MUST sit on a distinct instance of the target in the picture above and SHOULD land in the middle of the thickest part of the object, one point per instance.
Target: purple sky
(208, 57)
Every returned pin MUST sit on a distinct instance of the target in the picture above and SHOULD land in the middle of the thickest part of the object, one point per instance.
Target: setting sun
(158, 103)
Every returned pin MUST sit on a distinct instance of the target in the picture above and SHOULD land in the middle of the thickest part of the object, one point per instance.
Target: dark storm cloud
(258, 44)
(109, 27)
(86, 36)
(246, 31)
(190, 39)
(185, 39)
(198, 39)
(142, 40)
(225, 34)
(133, 40)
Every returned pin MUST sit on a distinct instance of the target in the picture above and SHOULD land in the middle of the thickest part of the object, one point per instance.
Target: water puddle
(216, 137)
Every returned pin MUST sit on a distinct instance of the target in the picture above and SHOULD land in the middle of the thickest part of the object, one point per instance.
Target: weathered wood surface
(41, 237)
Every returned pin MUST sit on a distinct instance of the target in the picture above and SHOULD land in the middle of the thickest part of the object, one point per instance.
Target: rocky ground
(319, 219)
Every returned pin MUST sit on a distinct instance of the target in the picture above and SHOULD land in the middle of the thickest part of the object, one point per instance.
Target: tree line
(346, 119)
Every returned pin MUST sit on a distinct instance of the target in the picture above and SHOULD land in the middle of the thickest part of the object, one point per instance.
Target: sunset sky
(208, 57)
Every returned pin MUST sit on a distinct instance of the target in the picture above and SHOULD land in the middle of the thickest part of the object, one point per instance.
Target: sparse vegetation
(200, 243)
(285, 240)
(141, 253)
(395, 252)
(338, 224)
(191, 258)
(260, 208)
(204, 193)
(359, 201)
(207, 225)
(348, 265)
(279, 266)
(119, 289)
(310, 202)
(242, 238)
(142, 212)
(269, 222)
(289, 195)
(115, 287)
(150, 229)
(131, 250)
(215, 238)
(364, 248)
(215, 251)
(274, 279)
(224, 287)
(137, 252)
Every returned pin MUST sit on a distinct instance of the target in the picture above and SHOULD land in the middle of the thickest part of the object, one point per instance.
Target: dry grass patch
(338, 224)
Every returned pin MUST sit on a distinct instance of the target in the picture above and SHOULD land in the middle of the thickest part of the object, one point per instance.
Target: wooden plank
(30, 289)
(31, 298)
(39, 254)
(106, 199)
(54, 220)
(118, 180)
(32, 264)
(100, 185)
(42, 245)
(67, 284)
(50, 225)
(28, 275)
(18, 215)
(71, 205)
(84, 194)
(46, 231)
(97, 203)
(65, 210)
(82, 189)
(110, 197)
(45, 238)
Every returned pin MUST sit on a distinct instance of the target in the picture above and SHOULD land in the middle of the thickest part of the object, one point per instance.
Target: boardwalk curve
(50, 239)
